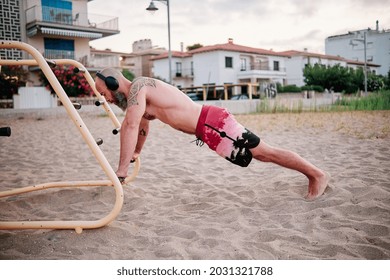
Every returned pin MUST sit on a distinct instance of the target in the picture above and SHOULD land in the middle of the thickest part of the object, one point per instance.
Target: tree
(341, 79)
(128, 75)
(375, 83)
(11, 78)
(194, 47)
(387, 81)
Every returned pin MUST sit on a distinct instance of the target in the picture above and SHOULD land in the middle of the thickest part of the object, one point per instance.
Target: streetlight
(364, 41)
(152, 8)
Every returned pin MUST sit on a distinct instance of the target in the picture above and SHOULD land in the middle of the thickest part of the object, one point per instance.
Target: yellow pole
(78, 122)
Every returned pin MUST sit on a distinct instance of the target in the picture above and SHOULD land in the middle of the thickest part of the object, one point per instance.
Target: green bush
(289, 88)
(11, 78)
(342, 79)
(315, 88)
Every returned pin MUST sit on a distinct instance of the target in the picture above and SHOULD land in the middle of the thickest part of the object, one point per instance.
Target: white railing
(69, 17)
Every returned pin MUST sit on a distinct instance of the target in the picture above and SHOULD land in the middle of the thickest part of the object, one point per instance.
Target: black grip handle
(77, 106)
(5, 131)
(98, 103)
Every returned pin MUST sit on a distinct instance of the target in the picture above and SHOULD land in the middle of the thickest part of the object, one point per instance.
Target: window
(178, 69)
(57, 11)
(59, 48)
(243, 64)
(61, 4)
(276, 65)
(228, 62)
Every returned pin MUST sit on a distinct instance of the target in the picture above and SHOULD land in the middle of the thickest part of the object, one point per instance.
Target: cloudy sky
(269, 24)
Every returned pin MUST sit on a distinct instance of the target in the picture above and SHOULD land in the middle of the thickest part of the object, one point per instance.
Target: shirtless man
(146, 99)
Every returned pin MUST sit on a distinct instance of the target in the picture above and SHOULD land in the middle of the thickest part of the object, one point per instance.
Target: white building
(234, 64)
(182, 68)
(222, 64)
(297, 60)
(351, 46)
(57, 28)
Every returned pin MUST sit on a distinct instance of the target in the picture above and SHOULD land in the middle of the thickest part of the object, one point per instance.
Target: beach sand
(189, 203)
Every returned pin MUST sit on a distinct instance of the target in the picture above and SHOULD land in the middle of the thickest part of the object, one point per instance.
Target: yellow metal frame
(113, 181)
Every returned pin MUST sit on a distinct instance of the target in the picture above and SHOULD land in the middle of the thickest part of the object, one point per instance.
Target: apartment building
(355, 45)
(57, 28)
(220, 64)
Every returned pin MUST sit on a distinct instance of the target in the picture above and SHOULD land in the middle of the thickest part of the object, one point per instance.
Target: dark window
(178, 69)
(228, 62)
(276, 65)
(59, 44)
(59, 48)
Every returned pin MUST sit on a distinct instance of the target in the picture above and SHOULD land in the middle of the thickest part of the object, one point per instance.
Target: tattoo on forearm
(142, 132)
(137, 85)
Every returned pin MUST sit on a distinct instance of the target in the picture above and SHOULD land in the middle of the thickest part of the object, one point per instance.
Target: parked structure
(353, 45)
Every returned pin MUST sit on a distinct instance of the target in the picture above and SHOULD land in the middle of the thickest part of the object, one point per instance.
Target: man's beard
(120, 100)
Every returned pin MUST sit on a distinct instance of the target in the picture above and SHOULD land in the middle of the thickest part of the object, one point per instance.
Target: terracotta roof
(174, 54)
(230, 46)
(309, 54)
(107, 52)
(357, 62)
(325, 56)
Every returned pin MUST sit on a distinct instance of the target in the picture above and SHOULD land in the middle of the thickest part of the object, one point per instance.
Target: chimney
(377, 25)
(230, 40)
(181, 46)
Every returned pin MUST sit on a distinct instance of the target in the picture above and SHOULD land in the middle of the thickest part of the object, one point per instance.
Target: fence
(34, 97)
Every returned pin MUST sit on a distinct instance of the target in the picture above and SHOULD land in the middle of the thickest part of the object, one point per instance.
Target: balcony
(59, 54)
(261, 70)
(64, 19)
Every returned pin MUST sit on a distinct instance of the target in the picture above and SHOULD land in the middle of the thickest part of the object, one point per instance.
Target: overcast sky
(269, 24)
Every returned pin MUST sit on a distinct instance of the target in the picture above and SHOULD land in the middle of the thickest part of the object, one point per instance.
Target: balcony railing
(59, 54)
(69, 17)
(261, 67)
(185, 73)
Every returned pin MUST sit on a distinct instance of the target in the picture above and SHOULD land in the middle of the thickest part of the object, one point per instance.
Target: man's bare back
(170, 105)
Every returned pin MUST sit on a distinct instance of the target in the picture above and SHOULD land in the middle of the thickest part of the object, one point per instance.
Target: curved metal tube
(78, 122)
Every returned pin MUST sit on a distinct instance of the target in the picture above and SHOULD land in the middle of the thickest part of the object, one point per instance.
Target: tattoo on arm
(142, 132)
(137, 85)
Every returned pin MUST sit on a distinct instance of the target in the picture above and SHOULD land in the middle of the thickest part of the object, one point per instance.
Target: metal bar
(82, 69)
(78, 122)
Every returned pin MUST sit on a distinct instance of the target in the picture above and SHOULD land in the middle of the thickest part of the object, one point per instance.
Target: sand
(189, 203)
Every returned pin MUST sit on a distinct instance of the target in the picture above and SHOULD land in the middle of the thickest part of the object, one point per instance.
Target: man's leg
(318, 180)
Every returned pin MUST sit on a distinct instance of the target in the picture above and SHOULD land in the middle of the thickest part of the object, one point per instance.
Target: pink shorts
(222, 133)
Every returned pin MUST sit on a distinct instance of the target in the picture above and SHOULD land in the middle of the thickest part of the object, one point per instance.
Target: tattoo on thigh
(137, 85)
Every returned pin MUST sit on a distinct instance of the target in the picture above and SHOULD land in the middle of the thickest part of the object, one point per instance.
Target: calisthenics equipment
(113, 181)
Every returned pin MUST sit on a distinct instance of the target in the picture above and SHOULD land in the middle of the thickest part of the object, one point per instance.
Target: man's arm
(130, 128)
(142, 134)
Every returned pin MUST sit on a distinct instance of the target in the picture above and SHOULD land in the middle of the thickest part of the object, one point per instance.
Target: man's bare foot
(317, 186)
